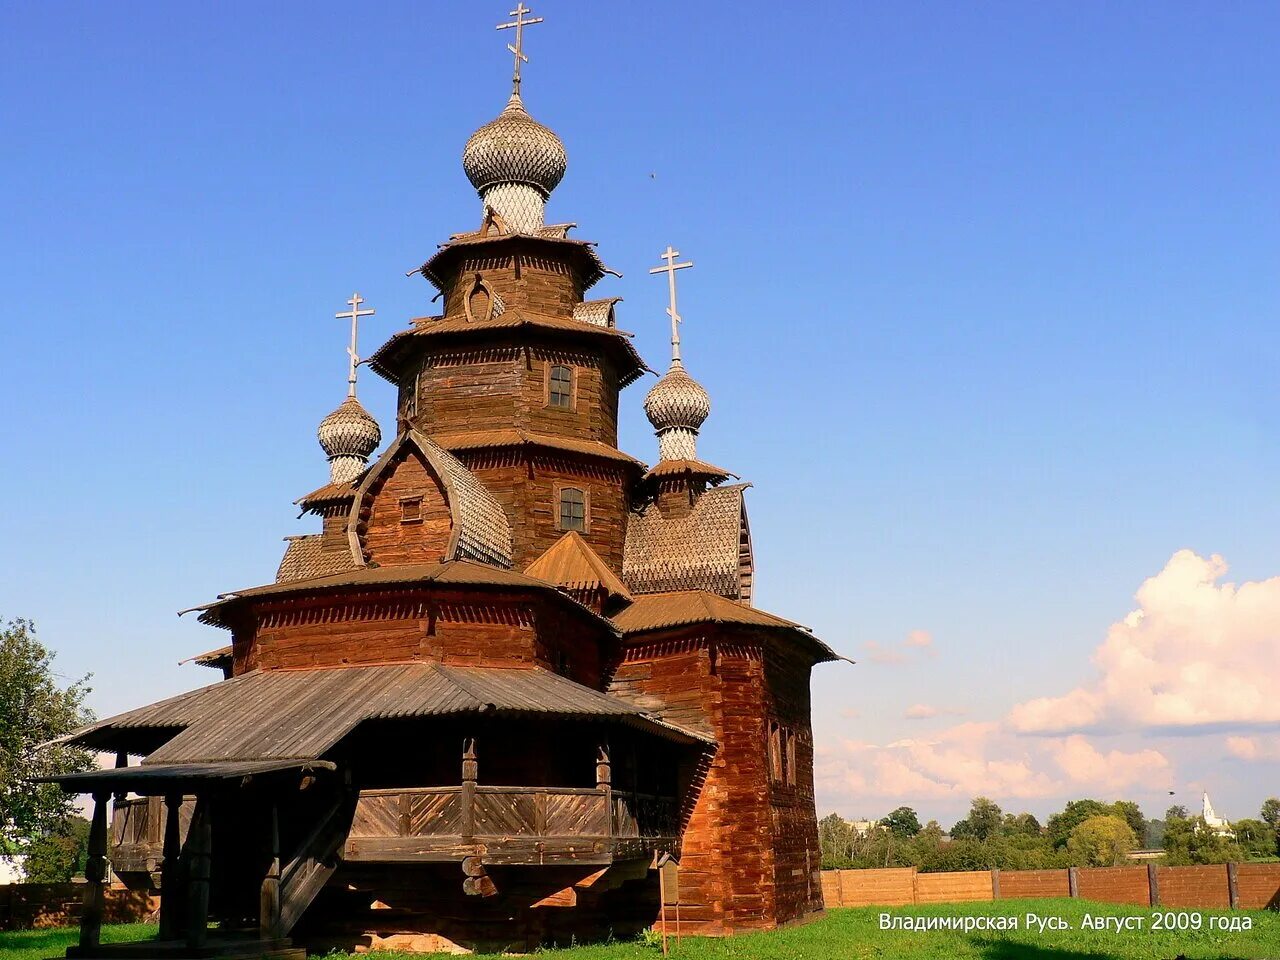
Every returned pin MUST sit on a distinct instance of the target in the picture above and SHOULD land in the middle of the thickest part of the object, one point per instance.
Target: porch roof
(301, 714)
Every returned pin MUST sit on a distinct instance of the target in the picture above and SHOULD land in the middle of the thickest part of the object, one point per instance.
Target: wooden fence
(26, 906)
(1229, 886)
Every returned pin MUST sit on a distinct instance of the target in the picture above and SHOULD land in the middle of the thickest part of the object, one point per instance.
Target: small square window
(411, 509)
(573, 509)
(560, 387)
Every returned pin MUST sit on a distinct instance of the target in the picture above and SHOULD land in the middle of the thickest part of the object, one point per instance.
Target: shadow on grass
(993, 949)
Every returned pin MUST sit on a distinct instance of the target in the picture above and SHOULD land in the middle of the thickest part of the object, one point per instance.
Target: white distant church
(1212, 820)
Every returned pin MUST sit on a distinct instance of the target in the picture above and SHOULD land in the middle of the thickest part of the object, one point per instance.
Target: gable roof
(664, 611)
(281, 715)
(707, 549)
(572, 564)
(480, 529)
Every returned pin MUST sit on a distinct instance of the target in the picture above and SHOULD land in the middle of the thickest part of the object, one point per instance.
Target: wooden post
(171, 880)
(470, 774)
(269, 900)
(200, 847)
(96, 873)
(122, 760)
(1233, 886)
(1073, 882)
(604, 783)
(995, 883)
(662, 909)
(1153, 885)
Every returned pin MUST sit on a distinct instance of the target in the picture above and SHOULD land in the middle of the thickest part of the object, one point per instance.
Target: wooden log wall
(39, 906)
(526, 483)
(389, 539)
(491, 629)
(748, 859)
(503, 385)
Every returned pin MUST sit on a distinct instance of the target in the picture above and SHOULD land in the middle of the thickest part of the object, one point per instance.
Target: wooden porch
(510, 825)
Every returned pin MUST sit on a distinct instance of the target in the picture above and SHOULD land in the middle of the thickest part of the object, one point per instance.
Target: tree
(1075, 813)
(34, 710)
(1131, 813)
(1256, 838)
(1176, 812)
(836, 839)
(984, 820)
(1101, 841)
(1270, 812)
(57, 857)
(1023, 824)
(902, 822)
(1191, 840)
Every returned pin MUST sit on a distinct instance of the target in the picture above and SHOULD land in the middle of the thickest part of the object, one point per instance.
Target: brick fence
(1243, 886)
(26, 906)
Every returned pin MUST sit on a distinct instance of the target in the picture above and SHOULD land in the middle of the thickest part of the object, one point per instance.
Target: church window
(775, 751)
(560, 387)
(789, 757)
(573, 509)
(411, 509)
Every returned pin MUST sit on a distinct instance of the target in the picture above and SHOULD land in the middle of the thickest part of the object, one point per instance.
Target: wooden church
(514, 692)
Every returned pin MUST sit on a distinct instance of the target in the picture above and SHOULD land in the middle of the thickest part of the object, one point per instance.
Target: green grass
(39, 944)
(855, 934)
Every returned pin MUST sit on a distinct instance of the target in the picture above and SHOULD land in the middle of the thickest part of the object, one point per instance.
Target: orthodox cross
(518, 48)
(670, 269)
(354, 315)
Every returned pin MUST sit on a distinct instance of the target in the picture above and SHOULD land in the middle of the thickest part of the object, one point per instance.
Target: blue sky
(985, 296)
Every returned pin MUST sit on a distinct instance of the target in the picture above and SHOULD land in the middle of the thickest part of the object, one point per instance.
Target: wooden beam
(96, 873)
(172, 884)
(199, 852)
(269, 897)
(470, 773)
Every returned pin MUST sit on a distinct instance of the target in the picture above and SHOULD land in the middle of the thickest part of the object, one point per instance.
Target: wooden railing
(510, 824)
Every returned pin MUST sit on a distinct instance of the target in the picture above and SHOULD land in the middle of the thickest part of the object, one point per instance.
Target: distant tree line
(1084, 833)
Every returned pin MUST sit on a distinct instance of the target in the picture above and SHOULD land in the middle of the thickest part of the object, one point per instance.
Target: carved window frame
(480, 283)
(558, 495)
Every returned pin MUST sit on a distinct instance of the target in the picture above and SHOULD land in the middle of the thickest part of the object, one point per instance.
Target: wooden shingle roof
(301, 714)
(481, 439)
(388, 360)
(570, 563)
(666, 611)
(310, 556)
(707, 549)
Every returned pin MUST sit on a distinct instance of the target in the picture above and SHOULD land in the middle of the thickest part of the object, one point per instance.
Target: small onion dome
(514, 148)
(677, 400)
(350, 431)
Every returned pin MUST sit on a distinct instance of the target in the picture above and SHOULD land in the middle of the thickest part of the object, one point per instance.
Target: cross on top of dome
(517, 49)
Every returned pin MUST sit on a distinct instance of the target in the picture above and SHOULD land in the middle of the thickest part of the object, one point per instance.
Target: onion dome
(677, 406)
(514, 163)
(348, 435)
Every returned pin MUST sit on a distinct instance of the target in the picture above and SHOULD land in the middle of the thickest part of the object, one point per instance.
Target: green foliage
(33, 710)
(1101, 841)
(902, 822)
(984, 821)
(1256, 838)
(1191, 840)
(1076, 812)
(1176, 812)
(57, 857)
(1270, 812)
(1022, 823)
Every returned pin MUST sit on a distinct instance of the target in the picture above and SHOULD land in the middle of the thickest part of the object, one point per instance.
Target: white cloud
(1254, 748)
(971, 759)
(1196, 654)
(927, 711)
(917, 641)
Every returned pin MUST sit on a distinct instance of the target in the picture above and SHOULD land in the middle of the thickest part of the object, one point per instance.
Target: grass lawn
(39, 944)
(856, 934)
